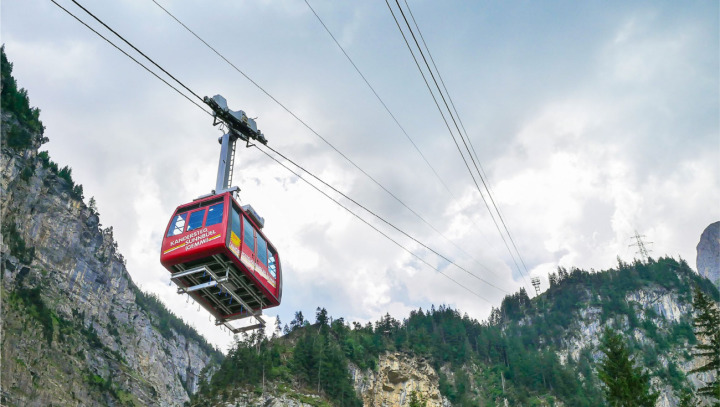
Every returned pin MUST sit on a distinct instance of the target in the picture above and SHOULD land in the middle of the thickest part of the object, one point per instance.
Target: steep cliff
(395, 379)
(75, 328)
(708, 253)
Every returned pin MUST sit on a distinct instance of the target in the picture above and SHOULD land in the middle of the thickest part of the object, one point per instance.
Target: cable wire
(448, 127)
(378, 97)
(135, 48)
(295, 116)
(284, 157)
(476, 160)
(402, 129)
(131, 57)
(383, 220)
(363, 220)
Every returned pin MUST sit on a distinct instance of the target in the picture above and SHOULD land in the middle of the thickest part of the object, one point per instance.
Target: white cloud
(591, 123)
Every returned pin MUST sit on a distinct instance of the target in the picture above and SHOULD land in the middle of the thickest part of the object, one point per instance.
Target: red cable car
(218, 254)
(215, 248)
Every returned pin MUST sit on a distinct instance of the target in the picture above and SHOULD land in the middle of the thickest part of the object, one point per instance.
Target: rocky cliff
(708, 253)
(395, 379)
(659, 312)
(75, 328)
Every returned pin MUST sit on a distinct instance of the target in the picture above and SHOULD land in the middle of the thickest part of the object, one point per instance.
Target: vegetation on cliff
(72, 317)
(512, 355)
(707, 326)
(626, 384)
(22, 132)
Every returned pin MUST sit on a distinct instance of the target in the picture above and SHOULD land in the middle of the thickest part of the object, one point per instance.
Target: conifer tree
(416, 400)
(707, 328)
(625, 385)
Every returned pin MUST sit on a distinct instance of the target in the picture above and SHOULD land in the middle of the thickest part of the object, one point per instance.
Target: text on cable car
(192, 240)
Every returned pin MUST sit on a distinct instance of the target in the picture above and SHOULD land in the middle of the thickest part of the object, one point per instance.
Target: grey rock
(73, 332)
(708, 253)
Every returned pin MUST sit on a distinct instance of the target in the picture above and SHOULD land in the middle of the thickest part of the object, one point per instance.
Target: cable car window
(248, 234)
(261, 249)
(195, 220)
(215, 214)
(272, 268)
(236, 222)
(178, 225)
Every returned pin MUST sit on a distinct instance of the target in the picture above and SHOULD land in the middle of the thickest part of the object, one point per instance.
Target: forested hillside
(539, 351)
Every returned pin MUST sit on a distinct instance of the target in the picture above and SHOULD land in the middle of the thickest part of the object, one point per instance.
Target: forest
(518, 344)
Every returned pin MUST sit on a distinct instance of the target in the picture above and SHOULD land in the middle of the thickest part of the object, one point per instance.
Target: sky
(591, 120)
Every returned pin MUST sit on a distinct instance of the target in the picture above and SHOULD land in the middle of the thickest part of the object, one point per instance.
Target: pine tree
(625, 385)
(416, 400)
(321, 317)
(707, 328)
(298, 322)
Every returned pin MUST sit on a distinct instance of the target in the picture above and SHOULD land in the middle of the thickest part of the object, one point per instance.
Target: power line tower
(536, 283)
(641, 249)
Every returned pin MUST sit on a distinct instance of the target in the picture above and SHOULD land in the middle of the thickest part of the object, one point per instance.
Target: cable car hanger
(240, 126)
(215, 249)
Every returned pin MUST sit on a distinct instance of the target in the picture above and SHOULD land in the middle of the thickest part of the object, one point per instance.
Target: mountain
(530, 352)
(76, 330)
(708, 253)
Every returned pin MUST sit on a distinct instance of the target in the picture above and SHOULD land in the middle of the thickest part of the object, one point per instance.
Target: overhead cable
(365, 221)
(481, 171)
(284, 157)
(437, 105)
(383, 220)
(295, 116)
(402, 129)
(135, 48)
(131, 57)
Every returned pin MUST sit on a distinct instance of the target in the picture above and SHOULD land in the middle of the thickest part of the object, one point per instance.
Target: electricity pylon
(642, 250)
(536, 283)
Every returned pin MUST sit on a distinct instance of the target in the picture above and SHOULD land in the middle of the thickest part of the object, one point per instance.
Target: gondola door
(235, 235)
(247, 255)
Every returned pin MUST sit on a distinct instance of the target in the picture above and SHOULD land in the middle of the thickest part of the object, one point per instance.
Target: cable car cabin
(216, 253)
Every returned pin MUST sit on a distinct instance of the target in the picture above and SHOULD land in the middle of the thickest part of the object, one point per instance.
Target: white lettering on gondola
(200, 239)
(194, 239)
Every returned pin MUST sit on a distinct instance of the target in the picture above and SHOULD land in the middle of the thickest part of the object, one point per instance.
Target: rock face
(658, 307)
(272, 396)
(708, 253)
(396, 377)
(75, 328)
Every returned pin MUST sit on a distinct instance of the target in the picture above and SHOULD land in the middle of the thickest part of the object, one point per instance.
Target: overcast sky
(591, 120)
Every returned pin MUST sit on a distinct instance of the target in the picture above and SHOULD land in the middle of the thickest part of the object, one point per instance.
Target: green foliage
(707, 327)
(16, 243)
(92, 205)
(64, 173)
(107, 386)
(16, 102)
(34, 307)
(625, 384)
(519, 344)
(416, 400)
(168, 324)
(27, 173)
(687, 398)
(681, 332)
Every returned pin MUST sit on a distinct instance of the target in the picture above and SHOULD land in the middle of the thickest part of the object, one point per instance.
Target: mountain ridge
(540, 351)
